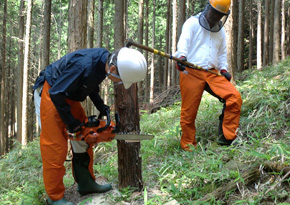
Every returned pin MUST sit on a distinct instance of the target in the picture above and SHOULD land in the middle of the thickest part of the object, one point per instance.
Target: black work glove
(103, 112)
(180, 66)
(226, 74)
(74, 127)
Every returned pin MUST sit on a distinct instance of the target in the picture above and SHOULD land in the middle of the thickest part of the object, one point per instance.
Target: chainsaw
(96, 130)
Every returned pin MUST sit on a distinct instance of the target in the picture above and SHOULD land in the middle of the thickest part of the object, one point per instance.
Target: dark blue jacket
(75, 76)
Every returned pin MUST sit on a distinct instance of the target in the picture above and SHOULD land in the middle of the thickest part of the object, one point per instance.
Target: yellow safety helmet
(222, 6)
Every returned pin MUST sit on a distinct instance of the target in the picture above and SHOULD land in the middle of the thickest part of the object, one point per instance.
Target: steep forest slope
(254, 170)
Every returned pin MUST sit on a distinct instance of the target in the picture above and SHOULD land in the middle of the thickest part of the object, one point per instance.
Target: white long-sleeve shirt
(202, 47)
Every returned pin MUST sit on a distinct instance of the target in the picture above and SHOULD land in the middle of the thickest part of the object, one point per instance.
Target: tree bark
(126, 104)
(259, 36)
(251, 28)
(90, 42)
(283, 31)
(100, 24)
(3, 136)
(266, 35)
(167, 45)
(277, 34)
(20, 71)
(181, 16)
(77, 29)
(25, 73)
(46, 34)
(174, 40)
(240, 51)
(146, 93)
(140, 38)
(271, 37)
(91, 20)
(152, 72)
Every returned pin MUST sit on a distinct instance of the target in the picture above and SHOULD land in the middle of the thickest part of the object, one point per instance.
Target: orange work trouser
(53, 144)
(192, 86)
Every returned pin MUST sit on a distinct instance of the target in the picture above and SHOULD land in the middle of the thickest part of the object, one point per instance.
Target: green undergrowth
(171, 174)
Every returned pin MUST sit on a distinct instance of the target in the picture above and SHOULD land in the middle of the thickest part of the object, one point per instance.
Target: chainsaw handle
(101, 129)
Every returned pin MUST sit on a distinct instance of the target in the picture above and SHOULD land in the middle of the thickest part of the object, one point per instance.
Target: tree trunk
(3, 136)
(167, 45)
(77, 29)
(146, 94)
(100, 24)
(259, 35)
(152, 57)
(231, 31)
(46, 34)
(25, 73)
(91, 20)
(126, 103)
(181, 16)
(59, 30)
(90, 42)
(266, 35)
(271, 37)
(251, 28)
(174, 39)
(160, 67)
(277, 34)
(140, 37)
(283, 31)
(240, 49)
(20, 71)
(288, 32)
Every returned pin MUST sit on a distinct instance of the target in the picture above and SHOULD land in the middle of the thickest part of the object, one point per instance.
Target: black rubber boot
(86, 183)
(222, 140)
(59, 202)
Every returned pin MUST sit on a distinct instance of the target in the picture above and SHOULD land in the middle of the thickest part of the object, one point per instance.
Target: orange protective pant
(53, 144)
(192, 86)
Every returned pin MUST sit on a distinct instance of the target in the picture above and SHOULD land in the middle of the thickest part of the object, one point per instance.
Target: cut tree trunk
(129, 164)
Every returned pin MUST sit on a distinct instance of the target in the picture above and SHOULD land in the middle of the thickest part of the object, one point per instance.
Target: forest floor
(254, 170)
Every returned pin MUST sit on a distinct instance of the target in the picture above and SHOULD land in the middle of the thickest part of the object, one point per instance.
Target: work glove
(103, 112)
(74, 127)
(180, 66)
(226, 74)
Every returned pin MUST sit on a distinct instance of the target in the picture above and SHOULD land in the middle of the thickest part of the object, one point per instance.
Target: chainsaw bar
(133, 137)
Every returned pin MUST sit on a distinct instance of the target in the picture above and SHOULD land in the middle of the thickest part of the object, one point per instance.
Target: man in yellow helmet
(202, 42)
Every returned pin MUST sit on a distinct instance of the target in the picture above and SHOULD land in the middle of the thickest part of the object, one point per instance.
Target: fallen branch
(273, 187)
(277, 167)
(248, 177)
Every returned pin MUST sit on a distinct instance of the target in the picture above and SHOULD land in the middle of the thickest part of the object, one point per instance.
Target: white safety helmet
(131, 65)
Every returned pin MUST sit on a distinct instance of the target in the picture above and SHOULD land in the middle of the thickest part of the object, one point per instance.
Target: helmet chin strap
(114, 75)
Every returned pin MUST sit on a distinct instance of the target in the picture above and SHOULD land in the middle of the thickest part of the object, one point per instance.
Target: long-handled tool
(130, 42)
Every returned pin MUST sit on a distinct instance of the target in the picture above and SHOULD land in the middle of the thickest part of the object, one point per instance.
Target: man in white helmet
(58, 91)
(202, 42)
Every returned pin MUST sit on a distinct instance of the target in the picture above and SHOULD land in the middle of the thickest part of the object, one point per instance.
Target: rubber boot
(59, 202)
(86, 183)
(222, 140)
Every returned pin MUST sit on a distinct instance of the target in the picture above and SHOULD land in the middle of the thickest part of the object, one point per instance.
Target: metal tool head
(129, 43)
